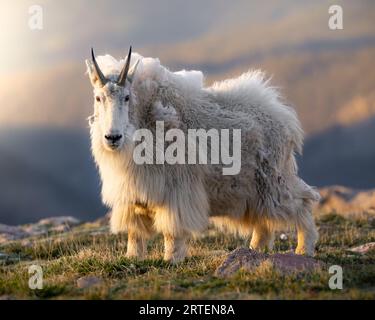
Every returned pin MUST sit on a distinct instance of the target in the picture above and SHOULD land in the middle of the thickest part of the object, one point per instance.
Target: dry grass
(90, 250)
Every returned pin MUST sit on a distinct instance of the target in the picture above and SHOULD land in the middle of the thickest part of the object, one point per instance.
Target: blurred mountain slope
(341, 156)
(44, 171)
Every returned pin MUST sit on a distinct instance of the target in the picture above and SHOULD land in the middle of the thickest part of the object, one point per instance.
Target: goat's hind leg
(262, 238)
(175, 248)
(307, 234)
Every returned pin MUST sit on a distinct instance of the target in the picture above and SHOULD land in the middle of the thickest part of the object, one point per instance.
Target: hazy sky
(44, 88)
(71, 27)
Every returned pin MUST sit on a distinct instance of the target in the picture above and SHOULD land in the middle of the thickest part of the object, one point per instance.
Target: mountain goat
(179, 200)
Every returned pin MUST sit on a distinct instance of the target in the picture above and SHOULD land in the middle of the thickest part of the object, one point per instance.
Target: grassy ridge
(90, 250)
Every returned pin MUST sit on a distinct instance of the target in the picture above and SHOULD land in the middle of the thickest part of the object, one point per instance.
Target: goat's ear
(92, 74)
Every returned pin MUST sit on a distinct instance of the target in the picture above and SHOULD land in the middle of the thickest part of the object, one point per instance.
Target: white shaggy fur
(178, 200)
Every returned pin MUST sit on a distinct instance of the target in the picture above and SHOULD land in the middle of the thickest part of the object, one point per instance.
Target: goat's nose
(113, 137)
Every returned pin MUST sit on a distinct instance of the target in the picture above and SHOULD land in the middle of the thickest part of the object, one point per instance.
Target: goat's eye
(127, 97)
(97, 98)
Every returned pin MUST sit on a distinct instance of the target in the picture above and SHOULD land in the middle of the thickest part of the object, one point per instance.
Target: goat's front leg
(137, 245)
(175, 248)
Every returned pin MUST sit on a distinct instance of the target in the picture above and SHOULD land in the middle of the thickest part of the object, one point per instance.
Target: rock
(5, 237)
(60, 228)
(88, 281)
(346, 201)
(237, 259)
(58, 221)
(9, 229)
(291, 262)
(53, 224)
(364, 248)
(8, 233)
(35, 229)
(249, 260)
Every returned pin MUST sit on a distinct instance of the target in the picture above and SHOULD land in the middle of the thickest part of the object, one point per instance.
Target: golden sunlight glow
(18, 45)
